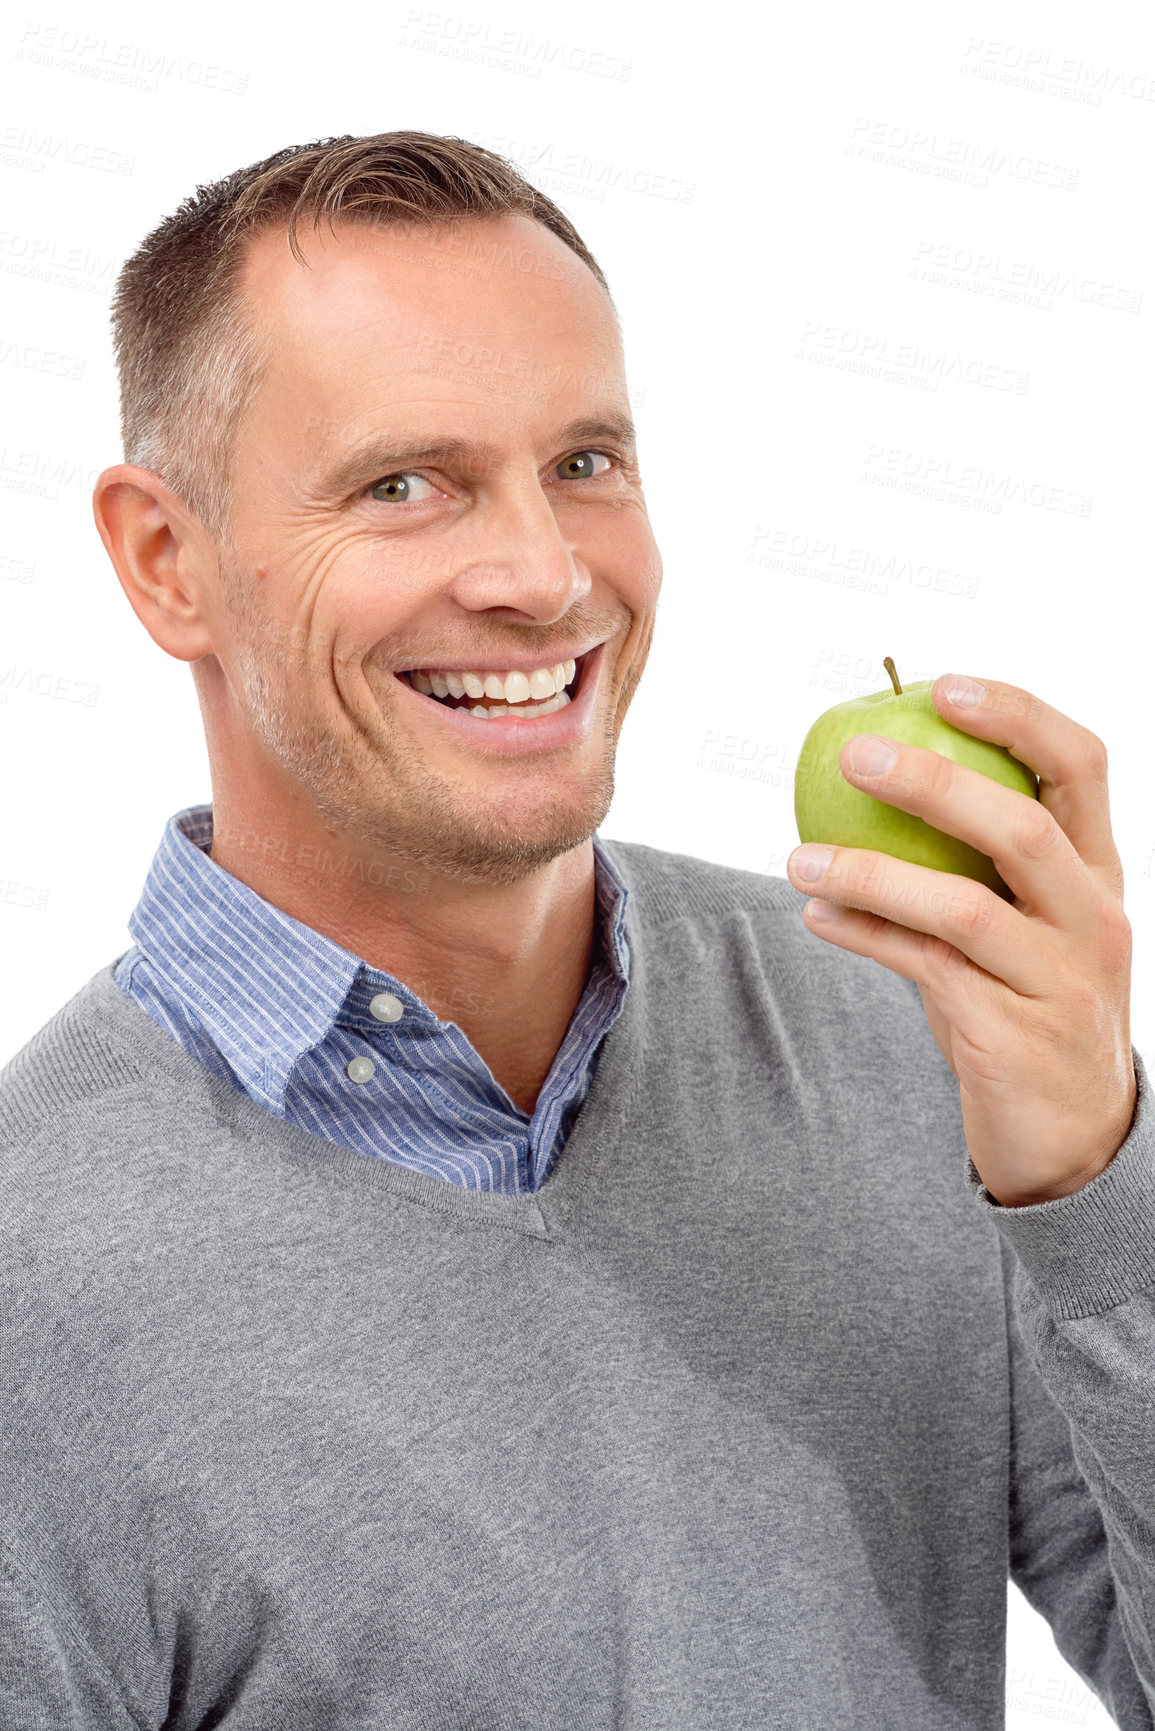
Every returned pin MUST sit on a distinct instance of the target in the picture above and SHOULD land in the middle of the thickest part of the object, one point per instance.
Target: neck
(506, 962)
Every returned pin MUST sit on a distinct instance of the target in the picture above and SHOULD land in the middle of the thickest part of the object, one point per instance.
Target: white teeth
(512, 687)
(524, 710)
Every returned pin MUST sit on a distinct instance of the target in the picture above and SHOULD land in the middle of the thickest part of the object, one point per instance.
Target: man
(463, 1272)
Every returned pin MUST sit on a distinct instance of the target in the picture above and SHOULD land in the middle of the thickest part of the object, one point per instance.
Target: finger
(968, 916)
(1032, 854)
(1069, 760)
(966, 995)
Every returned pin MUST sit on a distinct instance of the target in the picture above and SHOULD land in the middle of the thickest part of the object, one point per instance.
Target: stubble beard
(368, 783)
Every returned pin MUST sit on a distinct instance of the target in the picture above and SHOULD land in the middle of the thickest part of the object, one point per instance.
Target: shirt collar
(265, 988)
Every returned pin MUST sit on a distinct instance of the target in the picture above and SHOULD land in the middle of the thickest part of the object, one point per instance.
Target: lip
(509, 737)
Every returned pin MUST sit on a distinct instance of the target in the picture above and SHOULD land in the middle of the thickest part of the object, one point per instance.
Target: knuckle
(942, 961)
(1036, 831)
(870, 879)
(1094, 764)
(939, 779)
(972, 915)
(1116, 936)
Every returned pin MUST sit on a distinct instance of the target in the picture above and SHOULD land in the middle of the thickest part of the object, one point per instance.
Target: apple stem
(889, 665)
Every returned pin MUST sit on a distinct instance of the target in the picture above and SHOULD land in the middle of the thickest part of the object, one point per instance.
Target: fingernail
(823, 913)
(963, 692)
(871, 756)
(810, 862)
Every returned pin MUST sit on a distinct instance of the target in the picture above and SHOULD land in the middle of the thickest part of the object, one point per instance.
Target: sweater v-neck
(131, 1047)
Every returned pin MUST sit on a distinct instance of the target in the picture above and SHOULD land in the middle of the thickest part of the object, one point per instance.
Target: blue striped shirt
(281, 1012)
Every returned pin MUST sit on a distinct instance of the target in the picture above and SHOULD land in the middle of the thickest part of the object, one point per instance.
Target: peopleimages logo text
(960, 153)
(102, 57)
(479, 36)
(890, 463)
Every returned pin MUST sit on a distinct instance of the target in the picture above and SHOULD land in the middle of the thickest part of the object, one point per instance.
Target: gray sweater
(740, 1421)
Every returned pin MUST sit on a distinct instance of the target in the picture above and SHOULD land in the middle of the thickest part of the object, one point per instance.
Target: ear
(163, 556)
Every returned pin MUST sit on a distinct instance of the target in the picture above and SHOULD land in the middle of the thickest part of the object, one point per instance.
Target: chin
(510, 842)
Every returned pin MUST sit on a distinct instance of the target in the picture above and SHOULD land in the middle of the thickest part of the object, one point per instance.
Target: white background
(886, 278)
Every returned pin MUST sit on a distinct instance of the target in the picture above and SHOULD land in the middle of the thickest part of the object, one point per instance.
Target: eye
(398, 489)
(580, 466)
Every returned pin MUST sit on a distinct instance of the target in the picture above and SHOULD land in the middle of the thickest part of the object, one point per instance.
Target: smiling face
(435, 474)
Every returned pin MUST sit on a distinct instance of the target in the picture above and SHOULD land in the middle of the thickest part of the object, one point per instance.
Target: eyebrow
(376, 455)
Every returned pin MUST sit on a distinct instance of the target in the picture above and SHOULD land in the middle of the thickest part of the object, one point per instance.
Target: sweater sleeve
(1080, 1275)
(48, 1682)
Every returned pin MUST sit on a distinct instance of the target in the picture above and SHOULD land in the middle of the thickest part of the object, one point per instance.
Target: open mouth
(492, 696)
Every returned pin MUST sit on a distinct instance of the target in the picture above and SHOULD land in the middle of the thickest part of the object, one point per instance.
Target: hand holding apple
(1027, 998)
(828, 808)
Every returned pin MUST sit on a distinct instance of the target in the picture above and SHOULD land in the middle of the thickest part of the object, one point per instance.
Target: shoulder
(668, 886)
(69, 1062)
(721, 923)
(96, 1081)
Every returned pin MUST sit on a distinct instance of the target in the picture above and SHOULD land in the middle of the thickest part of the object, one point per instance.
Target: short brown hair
(187, 354)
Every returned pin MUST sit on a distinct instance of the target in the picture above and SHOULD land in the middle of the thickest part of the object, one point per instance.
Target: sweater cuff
(1087, 1252)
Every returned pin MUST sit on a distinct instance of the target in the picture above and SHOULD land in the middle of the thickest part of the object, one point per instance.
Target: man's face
(433, 475)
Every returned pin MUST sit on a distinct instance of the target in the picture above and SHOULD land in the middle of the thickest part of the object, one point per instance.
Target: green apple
(828, 808)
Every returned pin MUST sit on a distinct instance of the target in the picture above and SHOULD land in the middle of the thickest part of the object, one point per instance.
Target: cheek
(336, 599)
(641, 568)
(397, 576)
(625, 551)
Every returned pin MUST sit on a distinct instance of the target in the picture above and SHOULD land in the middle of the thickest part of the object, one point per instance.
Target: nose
(523, 563)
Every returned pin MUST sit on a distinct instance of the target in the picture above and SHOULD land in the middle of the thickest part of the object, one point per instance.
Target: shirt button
(386, 1007)
(360, 1069)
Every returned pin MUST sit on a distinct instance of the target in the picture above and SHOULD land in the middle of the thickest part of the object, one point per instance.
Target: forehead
(469, 313)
